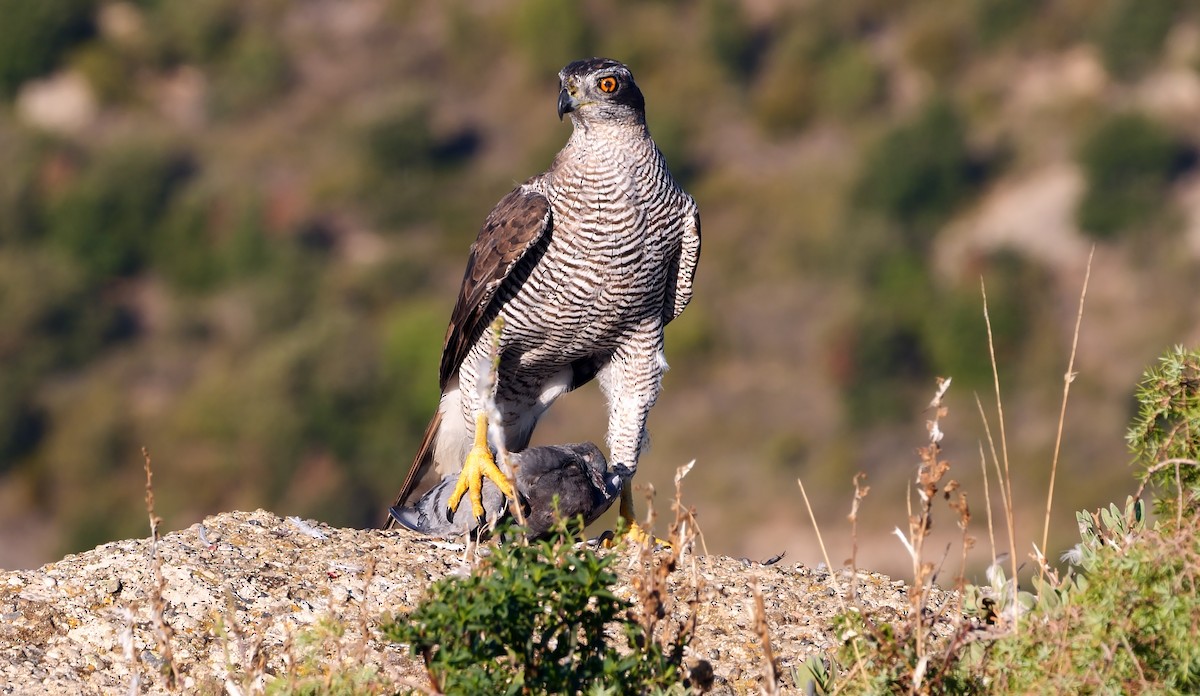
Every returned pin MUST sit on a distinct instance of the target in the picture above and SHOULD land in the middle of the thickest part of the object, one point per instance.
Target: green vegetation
(535, 619)
(731, 38)
(1123, 624)
(1132, 33)
(35, 36)
(919, 173)
(1119, 619)
(1128, 160)
(312, 672)
(1165, 435)
(106, 219)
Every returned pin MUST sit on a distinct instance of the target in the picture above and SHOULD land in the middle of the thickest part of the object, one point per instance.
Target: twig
(1062, 414)
(1176, 462)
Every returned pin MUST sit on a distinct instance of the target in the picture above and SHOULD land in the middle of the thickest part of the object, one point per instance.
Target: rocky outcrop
(247, 597)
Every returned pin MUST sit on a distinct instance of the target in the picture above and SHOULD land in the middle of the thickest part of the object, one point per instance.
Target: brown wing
(514, 226)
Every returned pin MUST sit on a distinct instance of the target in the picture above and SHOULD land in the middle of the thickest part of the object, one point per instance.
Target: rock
(246, 586)
(62, 103)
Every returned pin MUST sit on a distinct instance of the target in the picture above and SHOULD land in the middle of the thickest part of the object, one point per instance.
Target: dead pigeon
(577, 475)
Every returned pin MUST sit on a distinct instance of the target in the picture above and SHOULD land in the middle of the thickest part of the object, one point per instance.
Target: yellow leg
(635, 532)
(479, 463)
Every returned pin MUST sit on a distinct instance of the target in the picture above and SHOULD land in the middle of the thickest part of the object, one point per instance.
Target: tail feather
(420, 465)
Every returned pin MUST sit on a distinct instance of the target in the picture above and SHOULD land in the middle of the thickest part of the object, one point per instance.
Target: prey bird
(584, 265)
(556, 481)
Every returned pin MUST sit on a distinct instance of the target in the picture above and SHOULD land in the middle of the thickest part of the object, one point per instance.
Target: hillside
(231, 232)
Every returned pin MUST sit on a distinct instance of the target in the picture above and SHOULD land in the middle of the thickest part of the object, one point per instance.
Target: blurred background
(232, 231)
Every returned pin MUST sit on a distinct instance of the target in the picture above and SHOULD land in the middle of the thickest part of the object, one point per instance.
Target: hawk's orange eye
(608, 85)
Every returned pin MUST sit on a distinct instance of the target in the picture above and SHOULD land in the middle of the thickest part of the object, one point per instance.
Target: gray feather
(555, 482)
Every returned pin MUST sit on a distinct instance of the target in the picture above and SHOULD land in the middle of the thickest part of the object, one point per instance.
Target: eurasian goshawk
(585, 264)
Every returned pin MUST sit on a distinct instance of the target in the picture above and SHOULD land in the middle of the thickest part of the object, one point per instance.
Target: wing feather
(682, 272)
(515, 226)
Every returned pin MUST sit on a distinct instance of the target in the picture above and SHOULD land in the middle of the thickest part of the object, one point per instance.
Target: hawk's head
(599, 89)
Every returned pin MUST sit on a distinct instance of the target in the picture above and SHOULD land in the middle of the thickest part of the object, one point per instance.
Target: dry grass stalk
(364, 615)
(252, 658)
(930, 472)
(1005, 479)
(656, 602)
(1062, 414)
(131, 654)
(162, 631)
(821, 541)
(770, 684)
(860, 492)
(987, 501)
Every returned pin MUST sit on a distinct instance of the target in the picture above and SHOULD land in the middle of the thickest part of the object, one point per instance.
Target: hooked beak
(566, 103)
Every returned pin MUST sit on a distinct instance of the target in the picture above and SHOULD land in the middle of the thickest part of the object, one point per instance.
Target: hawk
(584, 265)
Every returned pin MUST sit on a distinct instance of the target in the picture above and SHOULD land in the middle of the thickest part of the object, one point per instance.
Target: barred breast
(617, 223)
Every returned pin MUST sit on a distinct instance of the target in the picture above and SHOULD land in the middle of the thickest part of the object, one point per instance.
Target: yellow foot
(479, 464)
(634, 534)
(638, 535)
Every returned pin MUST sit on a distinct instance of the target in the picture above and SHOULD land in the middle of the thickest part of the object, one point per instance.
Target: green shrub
(938, 41)
(886, 356)
(1167, 425)
(1128, 162)
(1124, 624)
(106, 70)
(848, 82)
(1123, 620)
(996, 20)
(108, 218)
(51, 320)
(812, 70)
(919, 173)
(206, 239)
(534, 620)
(34, 36)
(551, 34)
(730, 38)
(784, 99)
(20, 217)
(254, 71)
(954, 327)
(400, 139)
(193, 32)
(1132, 33)
(410, 167)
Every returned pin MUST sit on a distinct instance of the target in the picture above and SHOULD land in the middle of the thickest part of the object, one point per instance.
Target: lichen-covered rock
(246, 596)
